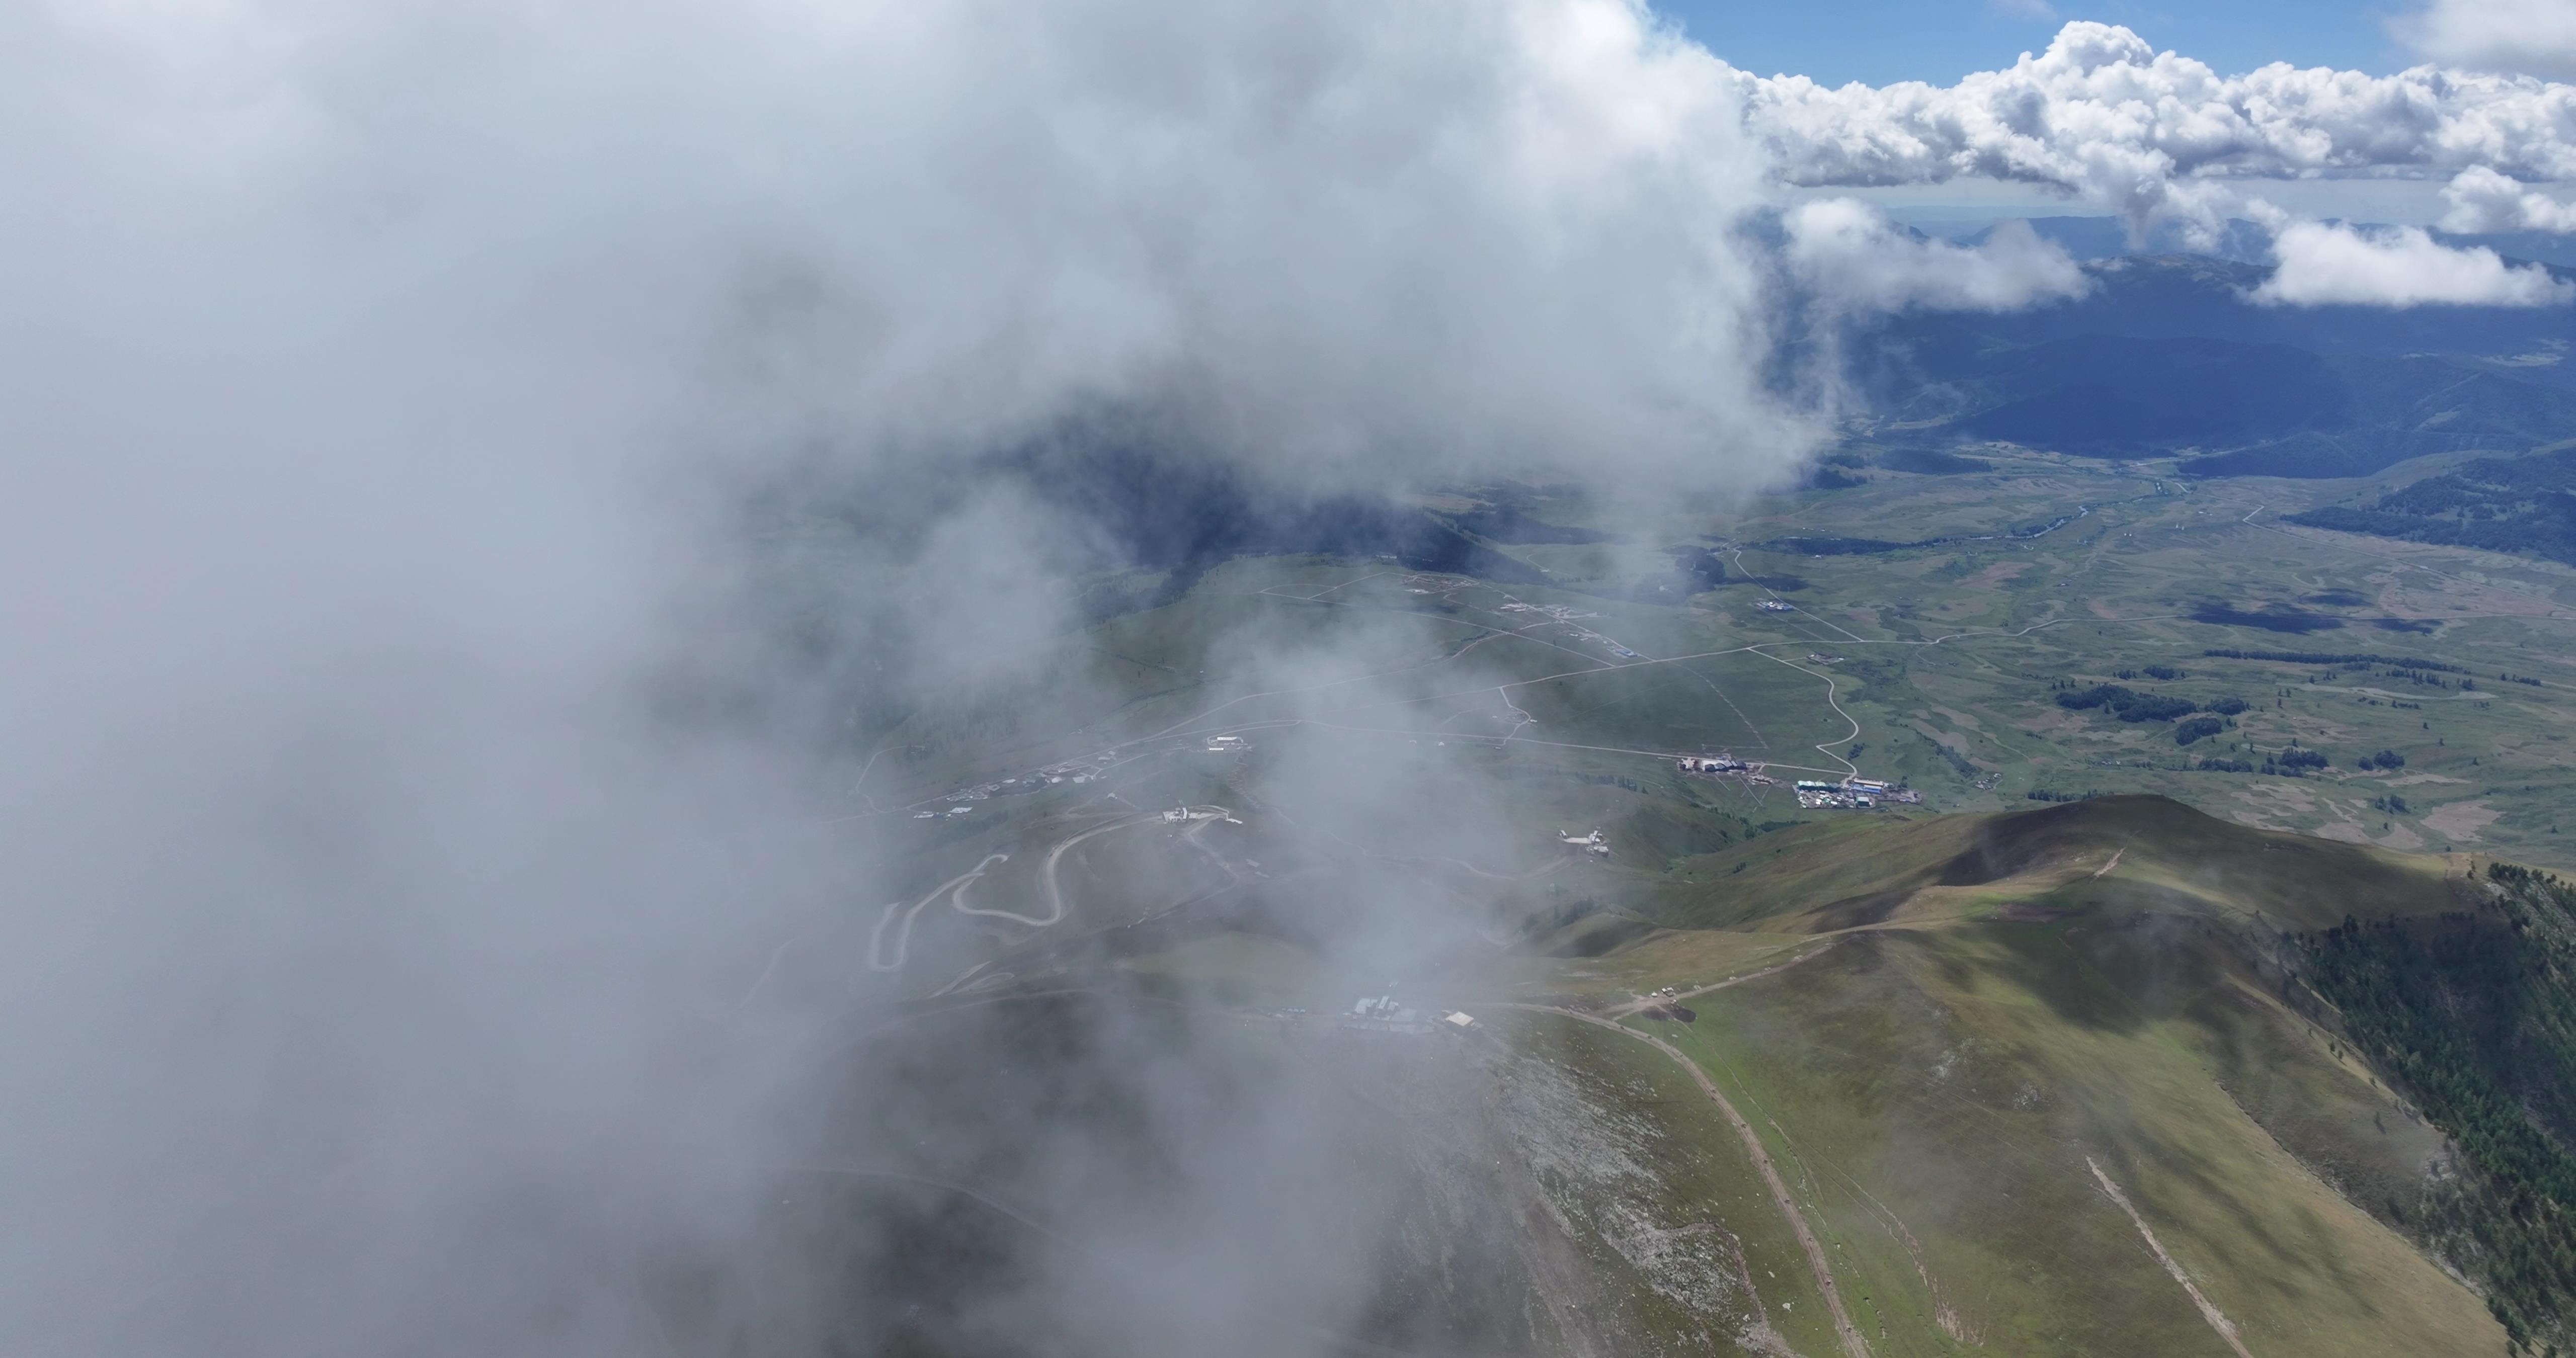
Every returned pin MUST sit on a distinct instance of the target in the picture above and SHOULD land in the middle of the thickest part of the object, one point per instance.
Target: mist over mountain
(1147, 678)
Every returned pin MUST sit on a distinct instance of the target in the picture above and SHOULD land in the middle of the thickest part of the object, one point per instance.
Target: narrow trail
(2208, 1310)
(1649, 1002)
(1853, 1345)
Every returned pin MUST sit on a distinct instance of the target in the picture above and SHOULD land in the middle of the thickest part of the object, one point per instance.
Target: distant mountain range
(2166, 355)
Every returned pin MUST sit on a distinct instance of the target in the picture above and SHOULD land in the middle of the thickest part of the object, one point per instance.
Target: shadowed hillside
(1862, 872)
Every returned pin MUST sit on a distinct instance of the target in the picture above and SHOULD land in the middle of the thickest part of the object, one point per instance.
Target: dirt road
(1853, 1345)
(1651, 1001)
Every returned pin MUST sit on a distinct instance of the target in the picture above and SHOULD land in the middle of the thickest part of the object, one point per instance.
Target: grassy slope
(2001, 1013)
(1704, 1178)
(1861, 871)
(1927, 1086)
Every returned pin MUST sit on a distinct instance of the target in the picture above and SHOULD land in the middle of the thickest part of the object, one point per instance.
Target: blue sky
(1879, 41)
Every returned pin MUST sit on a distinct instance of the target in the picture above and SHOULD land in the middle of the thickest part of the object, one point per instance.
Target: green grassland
(1937, 665)
(1941, 688)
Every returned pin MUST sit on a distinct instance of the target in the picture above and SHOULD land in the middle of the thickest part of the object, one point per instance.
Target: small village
(1853, 793)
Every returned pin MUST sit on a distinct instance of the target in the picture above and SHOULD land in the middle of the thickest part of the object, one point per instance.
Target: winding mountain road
(1048, 886)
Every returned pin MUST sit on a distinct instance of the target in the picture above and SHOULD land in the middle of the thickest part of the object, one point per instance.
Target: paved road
(903, 938)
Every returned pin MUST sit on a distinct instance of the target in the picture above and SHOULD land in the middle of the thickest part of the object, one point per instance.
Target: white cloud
(2104, 116)
(2322, 264)
(2532, 37)
(2484, 201)
(1855, 258)
(374, 381)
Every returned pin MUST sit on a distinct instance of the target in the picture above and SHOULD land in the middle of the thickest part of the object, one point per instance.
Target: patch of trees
(2127, 704)
(2390, 805)
(2041, 794)
(2518, 679)
(2385, 759)
(2352, 658)
(2226, 707)
(2293, 762)
(2198, 728)
(2475, 1014)
(2224, 766)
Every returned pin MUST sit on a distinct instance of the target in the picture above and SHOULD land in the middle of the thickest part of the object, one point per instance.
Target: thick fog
(420, 730)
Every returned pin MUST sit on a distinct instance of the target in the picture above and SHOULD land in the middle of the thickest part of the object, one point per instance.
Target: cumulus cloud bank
(2328, 264)
(2102, 115)
(1852, 256)
(2159, 137)
(2483, 201)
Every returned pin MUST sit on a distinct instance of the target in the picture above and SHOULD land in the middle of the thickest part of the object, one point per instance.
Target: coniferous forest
(2474, 1015)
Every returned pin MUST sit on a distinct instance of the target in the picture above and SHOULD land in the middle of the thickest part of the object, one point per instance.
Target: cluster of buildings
(1591, 843)
(1382, 1014)
(1227, 745)
(1557, 611)
(1072, 772)
(1853, 793)
(1385, 1014)
(1776, 606)
(1566, 615)
(1726, 766)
